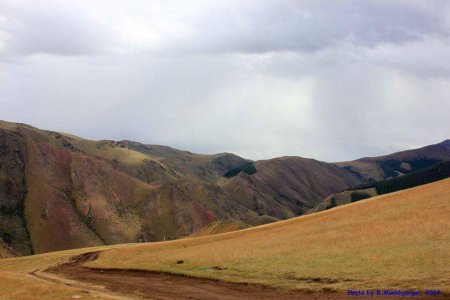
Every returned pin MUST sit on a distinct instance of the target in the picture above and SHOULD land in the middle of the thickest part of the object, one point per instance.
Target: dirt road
(157, 285)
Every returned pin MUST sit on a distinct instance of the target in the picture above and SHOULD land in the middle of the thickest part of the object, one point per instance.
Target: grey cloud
(79, 28)
(331, 80)
(306, 26)
(369, 110)
(427, 58)
(49, 27)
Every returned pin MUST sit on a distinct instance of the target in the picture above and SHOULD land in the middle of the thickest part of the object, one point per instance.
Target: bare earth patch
(159, 285)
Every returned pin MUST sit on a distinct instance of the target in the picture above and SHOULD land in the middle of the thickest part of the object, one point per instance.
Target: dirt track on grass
(158, 285)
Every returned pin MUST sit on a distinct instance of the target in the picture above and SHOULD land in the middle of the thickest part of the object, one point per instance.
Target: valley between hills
(121, 219)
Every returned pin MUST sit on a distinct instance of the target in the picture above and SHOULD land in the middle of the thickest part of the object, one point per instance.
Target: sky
(331, 80)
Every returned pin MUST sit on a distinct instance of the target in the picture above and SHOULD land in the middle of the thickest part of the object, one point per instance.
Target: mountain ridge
(399, 163)
(59, 191)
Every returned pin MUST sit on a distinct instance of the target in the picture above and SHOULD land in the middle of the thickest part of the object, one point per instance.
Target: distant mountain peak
(445, 143)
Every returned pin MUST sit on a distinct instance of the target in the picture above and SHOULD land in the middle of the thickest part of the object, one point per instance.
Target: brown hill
(5, 250)
(59, 191)
(288, 186)
(343, 198)
(436, 172)
(398, 240)
(397, 164)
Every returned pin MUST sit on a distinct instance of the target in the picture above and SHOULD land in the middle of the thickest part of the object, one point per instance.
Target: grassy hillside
(393, 165)
(343, 198)
(434, 173)
(217, 228)
(25, 287)
(59, 191)
(286, 187)
(398, 240)
(5, 250)
(18, 283)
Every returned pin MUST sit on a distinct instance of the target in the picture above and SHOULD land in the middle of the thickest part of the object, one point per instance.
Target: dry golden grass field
(399, 240)
(16, 282)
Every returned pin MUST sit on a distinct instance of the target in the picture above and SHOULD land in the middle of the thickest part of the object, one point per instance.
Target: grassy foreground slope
(398, 240)
(16, 282)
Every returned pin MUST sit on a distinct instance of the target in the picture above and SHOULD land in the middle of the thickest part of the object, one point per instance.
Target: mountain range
(59, 191)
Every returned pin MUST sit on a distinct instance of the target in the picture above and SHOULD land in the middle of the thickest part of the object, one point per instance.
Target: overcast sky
(332, 80)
